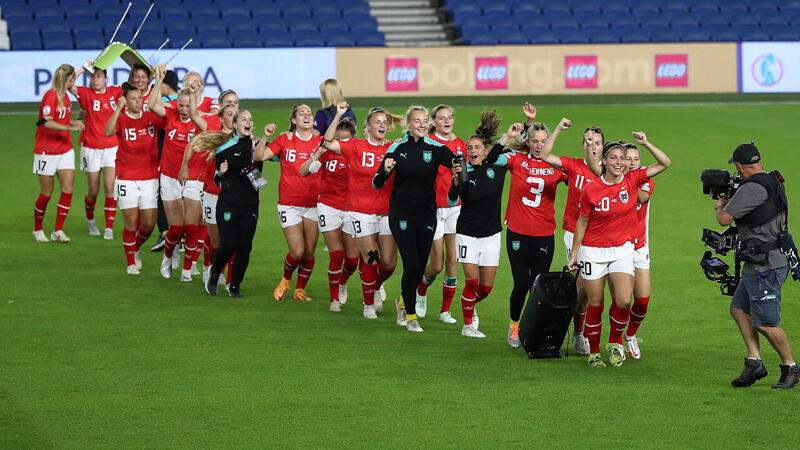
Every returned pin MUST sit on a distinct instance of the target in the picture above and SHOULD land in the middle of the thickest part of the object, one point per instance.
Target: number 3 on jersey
(537, 186)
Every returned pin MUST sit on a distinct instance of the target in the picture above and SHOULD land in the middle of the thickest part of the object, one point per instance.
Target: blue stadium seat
(683, 20)
(341, 40)
(42, 4)
(334, 29)
(363, 28)
(248, 41)
(615, 8)
(179, 37)
(734, 6)
(515, 38)
(695, 35)
(80, 14)
(754, 34)
(25, 40)
(604, 37)
(49, 13)
(504, 28)
(785, 34)
(675, 6)
(664, 36)
(485, 39)
(327, 17)
(359, 19)
(174, 9)
(183, 26)
(526, 8)
(564, 30)
(495, 7)
(592, 29)
(496, 17)
(50, 23)
(105, 5)
(534, 28)
(205, 15)
(149, 41)
(716, 21)
(586, 7)
(270, 15)
(356, 7)
(551, 17)
(705, 9)
(216, 41)
(12, 12)
(22, 24)
(296, 18)
(645, 8)
(308, 41)
(299, 10)
(564, 23)
(594, 21)
(272, 27)
(235, 14)
(574, 37)
(465, 8)
(776, 20)
(170, 18)
(760, 9)
(742, 20)
(525, 17)
(547, 38)
(621, 18)
(374, 39)
(468, 32)
(326, 9)
(303, 27)
(638, 36)
(472, 21)
(57, 40)
(726, 34)
(277, 40)
(241, 28)
(89, 40)
(554, 7)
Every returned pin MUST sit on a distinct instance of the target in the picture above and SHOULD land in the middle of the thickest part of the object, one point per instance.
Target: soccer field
(92, 357)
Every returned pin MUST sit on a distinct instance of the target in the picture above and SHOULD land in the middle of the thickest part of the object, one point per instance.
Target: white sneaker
(92, 226)
(422, 305)
(402, 319)
(186, 275)
(475, 320)
(413, 325)
(446, 317)
(377, 302)
(342, 294)
(176, 259)
(335, 306)
(369, 312)
(206, 274)
(471, 331)
(166, 267)
(137, 257)
(39, 236)
(133, 270)
(633, 346)
(108, 234)
(194, 269)
(580, 343)
(59, 236)
(228, 287)
(382, 291)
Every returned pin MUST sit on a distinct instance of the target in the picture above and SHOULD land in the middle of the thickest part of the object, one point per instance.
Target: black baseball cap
(745, 154)
(171, 80)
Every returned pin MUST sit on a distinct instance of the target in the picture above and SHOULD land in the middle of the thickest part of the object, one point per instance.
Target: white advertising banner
(769, 67)
(256, 73)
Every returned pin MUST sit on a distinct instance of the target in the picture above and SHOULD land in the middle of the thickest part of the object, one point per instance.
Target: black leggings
(237, 226)
(529, 256)
(413, 233)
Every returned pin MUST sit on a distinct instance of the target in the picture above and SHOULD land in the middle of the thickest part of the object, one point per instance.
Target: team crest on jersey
(427, 156)
(490, 173)
(515, 245)
(623, 196)
(226, 216)
(403, 225)
(151, 130)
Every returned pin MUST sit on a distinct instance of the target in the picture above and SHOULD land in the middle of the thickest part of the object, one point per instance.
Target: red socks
(174, 234)
(190, 248)
(383, 274)
(64, 203)
(89, 205)
(141, 237)
(468, 300)
(594, 324)
(208, 252)
(422, 289)
(449, 286)
(577, 321)
(369, 279)
(38, 211)
(638, 311)
(129, 244)
(350, 266)
(289, 264)
(304, 273)
(619, 320)
(482, 292)
(110, 210)
(335, 273)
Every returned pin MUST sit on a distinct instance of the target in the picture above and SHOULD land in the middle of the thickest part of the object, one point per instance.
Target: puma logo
(404, 155)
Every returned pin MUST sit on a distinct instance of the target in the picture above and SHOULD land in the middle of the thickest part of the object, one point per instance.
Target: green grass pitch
(91, 357)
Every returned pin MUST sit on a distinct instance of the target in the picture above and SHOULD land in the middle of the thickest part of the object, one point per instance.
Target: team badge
(623, 196)
(427, 156)
(515, 245)
(403, 225)
(226, 216)
(490, 173)
(151, 130)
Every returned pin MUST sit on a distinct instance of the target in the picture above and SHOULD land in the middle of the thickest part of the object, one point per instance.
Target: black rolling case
(547, 314)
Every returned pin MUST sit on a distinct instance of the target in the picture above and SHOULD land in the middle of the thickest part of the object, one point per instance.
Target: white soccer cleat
(59, 236)
(133, 270)
(633, 346)
(369, 312)
(342, 294)
(176, 259)
(475, 320)
(92, 226)
(377, 302)
(471, 331)
(402, 318)
(108, 234)
(413, 325)
(194, 269)
(382, 292)
(422, 305)
(206, 274)
(186, 275)
(166, 267)
(137, 257)
(39, 236)
(580, 343)
(446, 317)
(335, 306)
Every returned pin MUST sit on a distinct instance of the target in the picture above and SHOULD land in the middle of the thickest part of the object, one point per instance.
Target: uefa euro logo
(767, 70)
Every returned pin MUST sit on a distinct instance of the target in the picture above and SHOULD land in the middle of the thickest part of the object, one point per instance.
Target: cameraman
(756, 305)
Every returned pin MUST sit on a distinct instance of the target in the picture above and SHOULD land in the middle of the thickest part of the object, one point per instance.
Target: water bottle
(463, 177)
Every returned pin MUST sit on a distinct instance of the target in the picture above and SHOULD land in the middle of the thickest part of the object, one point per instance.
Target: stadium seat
(675, 6)
(774, 20)
(503, 28)
(342, 40)
(327, 18)
(683, 20)
(592, 29)
(179, 37)
(50, 23)
(308, 41)
(49, 13)
(296, 18)
(604, 37)
(705, 9)
(526, 8)
(785, 34)
(695, 35)
(471, 31)
(374, 39)
(295, 10)
(22, 24)
(363, 28)
(532, 29)
(496, 17)
(89, 40)
(170, 18)
(574, 37)
(465, 8)
(637, 36)
(486, 39)
(725, 35)
(270, 15)
(216, 41)
(664, 36)
(554, 8)
(235, 15)
(303, 27)
(334, 29)
(149, 41)
(565, 24)
(326, 9)
(586, 8)
(10, 13)
(354, 19)
(239, 29)
(104, 6)
(57, 40)
(171, 9)
(552, 17)
(754, 34)
(248, 41)
(281, 40)
(526, 17)
(734, 6)
(515, 38)
(760, 9)
(478, 21)
(80, 14)
(616, 8)
(272, 27)
(594, 21)
(494, 7)
(547, 38)
(645, 8)
(25, 40)
(719, 20)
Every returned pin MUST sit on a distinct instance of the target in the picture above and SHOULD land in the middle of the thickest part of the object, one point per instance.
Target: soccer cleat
(580, 343)
(513, 334)
(446, 317)
(186, 275)
(382, 291)
(342, 294)
(377, 302)
(39, 236)
(422, 305)
(300, 294)
(369, 312)
(133, 270)
(633, 346)
(753, 371)
(160, 243)
(615, 354)
(206, 273)
(335, 306)
(194, 268)
(595, 360)
(59, 236)
(108, 234)
(790, 375)
(471, 331)
(92, 226)
(280, 291)
(413, 325)
(475, 320)
(176, 260)
(211, 286)
(228, 287)
(401, 313)
(235, 292)
(166, 267)
(137, 257)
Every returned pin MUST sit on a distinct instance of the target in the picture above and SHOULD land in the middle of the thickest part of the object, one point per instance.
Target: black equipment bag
(547, 314)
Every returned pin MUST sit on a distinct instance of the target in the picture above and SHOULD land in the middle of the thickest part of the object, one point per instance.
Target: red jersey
(294, 190)
(207, 105)
(99, 107)
(578, 177)
(643, 216)
(445, 175)
(52, 142)
(365, 158)
(333, 189)
(532, 195)
(145, 97)
(177, 135)
(208, 167)
(137, 156)
(611, 209)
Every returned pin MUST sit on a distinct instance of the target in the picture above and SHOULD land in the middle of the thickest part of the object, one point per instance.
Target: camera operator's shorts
(641, 258)
(759, 294)
(597, 262)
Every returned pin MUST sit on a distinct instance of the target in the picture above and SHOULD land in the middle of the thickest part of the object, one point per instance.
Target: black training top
(480, 198)
(235, 188)
(416, 166)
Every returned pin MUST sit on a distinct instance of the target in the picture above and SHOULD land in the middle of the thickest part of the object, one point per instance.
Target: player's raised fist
(640, 137)
(388, 164)
(342, 108)
(269, 129)
(564, 124)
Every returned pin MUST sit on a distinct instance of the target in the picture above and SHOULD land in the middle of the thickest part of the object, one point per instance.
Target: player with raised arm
(369, 208)
(140, 76)
(194, 82)
(603, 245)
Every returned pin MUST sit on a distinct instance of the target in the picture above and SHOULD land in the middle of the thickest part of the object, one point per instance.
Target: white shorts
(641, 258)
(209, 207)
(446, 220)
(94, 159)
(568, 238)
(329, 219)
(172, 189)
(483, 251)
(600, 261)
(292, 215)
(50, 164)
(142, 194)
(369, 224)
